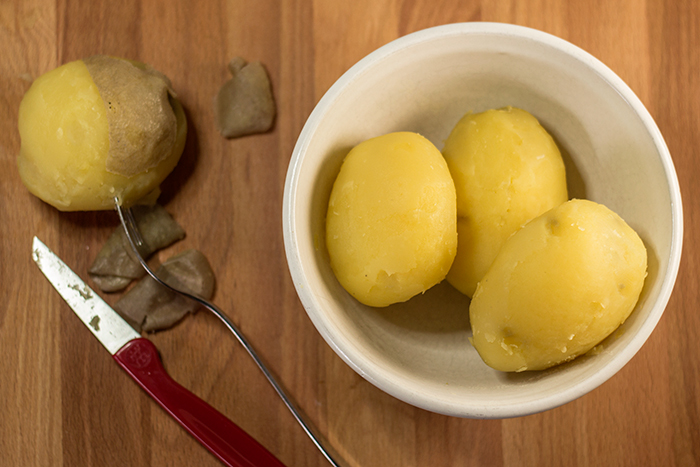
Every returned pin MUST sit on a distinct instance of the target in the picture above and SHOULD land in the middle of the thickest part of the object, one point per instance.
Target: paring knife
(139, 357)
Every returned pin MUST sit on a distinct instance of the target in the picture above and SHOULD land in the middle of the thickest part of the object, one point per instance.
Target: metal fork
(133, 235)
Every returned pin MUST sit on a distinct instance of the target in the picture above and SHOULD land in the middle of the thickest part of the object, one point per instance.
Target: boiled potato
(96, 129)
(557, 288)
(507, 170)
(391, 223)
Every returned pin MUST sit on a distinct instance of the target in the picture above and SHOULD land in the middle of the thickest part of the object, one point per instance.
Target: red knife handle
(226, 440)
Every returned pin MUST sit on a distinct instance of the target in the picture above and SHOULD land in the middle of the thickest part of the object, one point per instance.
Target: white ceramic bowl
(424, 82)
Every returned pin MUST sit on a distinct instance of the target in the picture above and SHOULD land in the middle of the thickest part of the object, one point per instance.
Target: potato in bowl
(507, 170)
(391, 226)
(558, 286)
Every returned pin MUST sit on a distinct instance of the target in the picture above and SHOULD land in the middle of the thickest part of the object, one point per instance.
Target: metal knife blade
(105, 323)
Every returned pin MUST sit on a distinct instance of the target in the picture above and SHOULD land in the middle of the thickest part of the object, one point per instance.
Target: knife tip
(37, 246)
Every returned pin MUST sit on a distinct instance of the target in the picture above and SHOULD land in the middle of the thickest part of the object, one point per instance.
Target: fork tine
(133, 235)
(132, 227)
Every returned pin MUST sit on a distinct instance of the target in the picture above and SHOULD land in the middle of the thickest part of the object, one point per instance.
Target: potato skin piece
(245, 105)
(115, 266)
(149, 306)
(557, 288)
(391, 223)
(507, 170)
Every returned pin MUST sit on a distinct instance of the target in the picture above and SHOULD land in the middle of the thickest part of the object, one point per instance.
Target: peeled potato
(98, 128)
(391, 223)
(557, 288)
(507, 170)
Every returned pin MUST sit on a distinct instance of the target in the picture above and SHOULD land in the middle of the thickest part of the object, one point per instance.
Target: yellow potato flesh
(557, 288)
(391, 222)
(507, 170)
(65, 141)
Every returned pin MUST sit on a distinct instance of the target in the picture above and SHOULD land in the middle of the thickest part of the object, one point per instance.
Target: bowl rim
(371, 372)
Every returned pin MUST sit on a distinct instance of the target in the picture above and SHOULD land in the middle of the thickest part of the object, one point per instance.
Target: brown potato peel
(244, 105)
(115, 266)
(150, 307)
(142, 123)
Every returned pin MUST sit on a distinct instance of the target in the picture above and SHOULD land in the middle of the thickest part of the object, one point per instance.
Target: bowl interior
(419, 351)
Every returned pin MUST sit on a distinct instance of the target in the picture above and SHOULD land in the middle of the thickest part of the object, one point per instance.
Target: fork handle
(226, 440)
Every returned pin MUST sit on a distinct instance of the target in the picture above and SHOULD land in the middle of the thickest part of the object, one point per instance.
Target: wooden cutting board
(63, 401)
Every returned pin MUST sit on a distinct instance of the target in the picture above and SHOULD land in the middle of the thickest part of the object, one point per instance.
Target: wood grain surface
(63, 401)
